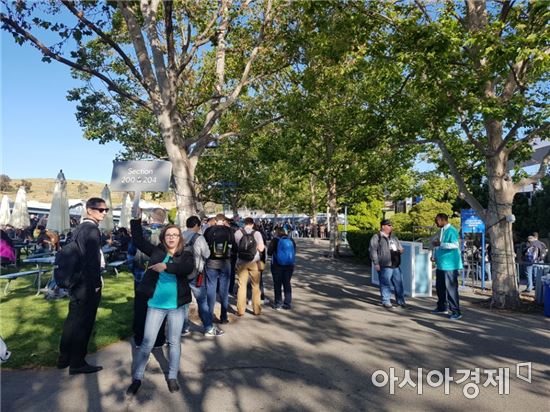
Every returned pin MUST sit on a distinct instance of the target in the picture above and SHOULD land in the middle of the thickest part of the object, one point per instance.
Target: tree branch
(535, 178)
(471, 137)
(472, 201)
(169, 30)
(83, 68)
(107, 39)
(141, 53)
(529, 138)
(421, 7)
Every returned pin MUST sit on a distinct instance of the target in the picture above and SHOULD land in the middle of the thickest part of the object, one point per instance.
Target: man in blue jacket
(448, 263)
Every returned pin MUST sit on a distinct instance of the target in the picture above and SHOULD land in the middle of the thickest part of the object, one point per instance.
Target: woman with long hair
(165, 284)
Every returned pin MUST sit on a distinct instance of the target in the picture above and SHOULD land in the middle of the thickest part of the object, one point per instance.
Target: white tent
(5, 211)
(107, 224)
(19, 215)
(125, 211)
(59, 219)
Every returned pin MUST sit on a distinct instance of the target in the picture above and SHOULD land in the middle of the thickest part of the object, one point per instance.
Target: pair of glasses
(172, 235)
(101, 209)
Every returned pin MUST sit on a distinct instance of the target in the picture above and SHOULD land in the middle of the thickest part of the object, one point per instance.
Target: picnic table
(40, 261)
(12, 276)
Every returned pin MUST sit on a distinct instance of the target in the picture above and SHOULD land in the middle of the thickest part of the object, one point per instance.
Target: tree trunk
(314, 206)
(333, 216)
(183, 168)
(503, 264)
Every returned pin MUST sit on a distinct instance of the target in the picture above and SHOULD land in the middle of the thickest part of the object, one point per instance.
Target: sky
(40, 134)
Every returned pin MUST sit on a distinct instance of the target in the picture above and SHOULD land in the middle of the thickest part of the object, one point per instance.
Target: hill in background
(41, 190)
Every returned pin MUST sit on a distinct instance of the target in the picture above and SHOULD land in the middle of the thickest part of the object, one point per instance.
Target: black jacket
(181, 265)
(89, 242)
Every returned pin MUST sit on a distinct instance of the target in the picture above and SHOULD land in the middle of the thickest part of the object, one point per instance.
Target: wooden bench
(12, 276)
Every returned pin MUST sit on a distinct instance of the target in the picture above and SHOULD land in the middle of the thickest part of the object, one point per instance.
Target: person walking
(282, 249)
(166, 286)
(385, 252)
(448, 262)
(85, 294)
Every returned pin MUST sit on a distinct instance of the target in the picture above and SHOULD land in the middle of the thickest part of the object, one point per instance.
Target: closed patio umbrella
(5, 211)
(19, 215)
(107, 224)
(58, 219)
(125, 211)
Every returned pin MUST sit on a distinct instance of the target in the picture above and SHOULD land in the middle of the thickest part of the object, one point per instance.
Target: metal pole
(483, 260)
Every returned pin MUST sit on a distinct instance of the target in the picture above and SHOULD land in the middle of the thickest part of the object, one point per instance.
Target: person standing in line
(197, 280)
(221, 242)
(249, 246)
(282, 249)
(385, 252)
(448, 262)
(85, 295)
(166, 286)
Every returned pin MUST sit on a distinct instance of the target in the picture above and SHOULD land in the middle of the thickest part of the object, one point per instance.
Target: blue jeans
(281, 280)
(389, 277)
(154, 320)
(202, 303)
(212, 276)
(446, 285)
(528, 272)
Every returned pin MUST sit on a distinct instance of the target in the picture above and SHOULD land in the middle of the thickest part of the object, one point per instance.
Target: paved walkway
(321, 356)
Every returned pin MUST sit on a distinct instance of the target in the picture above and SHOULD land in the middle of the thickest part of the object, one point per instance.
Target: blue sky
(40, 134)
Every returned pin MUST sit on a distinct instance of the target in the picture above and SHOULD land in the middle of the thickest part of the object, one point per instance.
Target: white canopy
(19, 215)
(59, 219)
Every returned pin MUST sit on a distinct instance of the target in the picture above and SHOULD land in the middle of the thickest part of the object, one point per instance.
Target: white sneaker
(214, 332)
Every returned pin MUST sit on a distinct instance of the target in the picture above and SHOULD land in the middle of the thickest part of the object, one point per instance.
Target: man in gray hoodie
(385, 252)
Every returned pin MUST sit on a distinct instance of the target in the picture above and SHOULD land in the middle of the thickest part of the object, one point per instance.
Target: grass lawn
(31, 325)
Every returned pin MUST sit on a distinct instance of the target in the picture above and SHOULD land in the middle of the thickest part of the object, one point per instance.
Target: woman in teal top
(165, 284)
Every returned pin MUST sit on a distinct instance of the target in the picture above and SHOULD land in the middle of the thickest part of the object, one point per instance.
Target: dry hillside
(42, 189)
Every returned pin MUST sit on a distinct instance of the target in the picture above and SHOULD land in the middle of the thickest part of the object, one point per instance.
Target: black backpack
(247, 246)
(68, 262)
(219, 242)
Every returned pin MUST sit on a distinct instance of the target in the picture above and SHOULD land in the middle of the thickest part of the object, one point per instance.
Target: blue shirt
(166, 292)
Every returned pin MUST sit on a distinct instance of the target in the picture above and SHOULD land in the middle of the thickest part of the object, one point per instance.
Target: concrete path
(321, 356)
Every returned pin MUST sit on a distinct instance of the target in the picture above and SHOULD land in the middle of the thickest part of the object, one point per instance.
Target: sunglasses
(171, 235)
(100, 209)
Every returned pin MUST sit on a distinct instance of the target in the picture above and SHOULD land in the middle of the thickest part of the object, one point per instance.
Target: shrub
(359, 243)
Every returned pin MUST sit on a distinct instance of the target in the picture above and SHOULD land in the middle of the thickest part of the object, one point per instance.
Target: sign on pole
(141, 176)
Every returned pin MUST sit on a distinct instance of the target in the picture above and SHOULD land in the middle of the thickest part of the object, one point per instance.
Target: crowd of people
(211, 260)
(207, 261)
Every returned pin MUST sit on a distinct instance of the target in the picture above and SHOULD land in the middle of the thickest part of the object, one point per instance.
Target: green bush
(359, 243)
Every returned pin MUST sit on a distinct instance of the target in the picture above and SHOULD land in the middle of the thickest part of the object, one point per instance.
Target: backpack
(285, 252)
(247, 246)
(188, 248)
(68, 261)
(531, 254)
(219, 243)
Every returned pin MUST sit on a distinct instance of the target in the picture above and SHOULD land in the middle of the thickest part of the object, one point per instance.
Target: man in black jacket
(85, 294)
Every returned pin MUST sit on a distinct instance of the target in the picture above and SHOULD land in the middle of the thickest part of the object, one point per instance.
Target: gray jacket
(379, 249)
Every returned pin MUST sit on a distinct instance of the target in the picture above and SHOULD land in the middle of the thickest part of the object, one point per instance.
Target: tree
(5, 185)
(159, 74)
(26, 184)
(474, 85)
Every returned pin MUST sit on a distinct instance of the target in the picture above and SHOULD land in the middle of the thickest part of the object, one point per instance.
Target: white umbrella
(125, 211)
(5, 211)
(19, 215)
(58, 219)
(107, 224)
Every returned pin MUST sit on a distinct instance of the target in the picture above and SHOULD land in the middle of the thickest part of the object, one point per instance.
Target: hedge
(359, 241)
